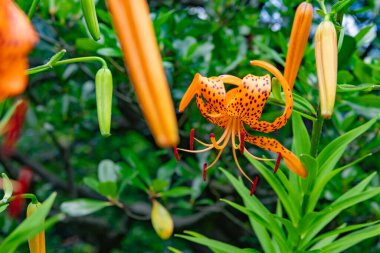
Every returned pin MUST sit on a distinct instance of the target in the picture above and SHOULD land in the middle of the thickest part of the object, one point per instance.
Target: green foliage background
(62, 144)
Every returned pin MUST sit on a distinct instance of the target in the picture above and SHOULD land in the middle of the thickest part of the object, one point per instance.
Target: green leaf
(276, 231)
(110, 51)
(177, 192)
(289, 205)
(276, 89)
(135, 163)
(353, 88)
(341, 5)
(8, 188)
(92, 183)
(255, 205)
(8, 115)
(30, 226)
(174, 250)
(108, 189)
(350, 198)
(351, 239)
(330, 156)
(3, 208)
(334, 233)
(301, 138)
(107, 171)
(81, 207)
(159, 185)
(220, 246)
(363, 32)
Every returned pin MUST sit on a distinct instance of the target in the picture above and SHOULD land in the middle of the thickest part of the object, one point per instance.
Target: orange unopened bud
(142, 57)
(326, 56)
(298, 40)
(36, 243)
(161, 220)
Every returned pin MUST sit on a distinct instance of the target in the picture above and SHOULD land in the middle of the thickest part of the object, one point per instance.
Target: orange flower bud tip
(204, 172)
(175, 150)
(277, 163)
(254, 184)
(192, 131)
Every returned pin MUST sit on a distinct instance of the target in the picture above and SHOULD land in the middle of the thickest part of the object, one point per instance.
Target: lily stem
(315, 135)
(30, 196)
(48, 65)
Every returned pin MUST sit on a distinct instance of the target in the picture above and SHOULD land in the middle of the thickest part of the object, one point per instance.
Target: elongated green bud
(103, 86)
(89, 13)
(36, 243)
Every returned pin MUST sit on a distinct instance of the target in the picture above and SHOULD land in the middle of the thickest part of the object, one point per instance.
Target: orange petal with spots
(264, 126)
(291, 161)
(250, 99)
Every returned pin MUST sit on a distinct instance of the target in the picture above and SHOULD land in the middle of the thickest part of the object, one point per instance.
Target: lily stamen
(241, 139)
(204, 172)
(192, 131)
(175, 150)
(254, 184)
(277, 163)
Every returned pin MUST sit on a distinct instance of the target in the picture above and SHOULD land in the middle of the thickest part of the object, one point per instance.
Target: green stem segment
(30, 196)
(315, 135)
(48, 65)
(32, 8)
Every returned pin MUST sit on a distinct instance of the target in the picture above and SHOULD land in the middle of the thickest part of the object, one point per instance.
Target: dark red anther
(212, 135)
(204, 172)
(242, 137)
(175, 150)
(277, 163)
(254, 184)
(192, 139)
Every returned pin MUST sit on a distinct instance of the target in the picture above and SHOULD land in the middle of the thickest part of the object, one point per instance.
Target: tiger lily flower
(142, 57)
(240, 106)
(298, 40)
(17, 38)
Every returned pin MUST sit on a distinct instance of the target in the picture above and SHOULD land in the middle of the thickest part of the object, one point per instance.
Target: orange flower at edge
(17, 38)
(234, 109)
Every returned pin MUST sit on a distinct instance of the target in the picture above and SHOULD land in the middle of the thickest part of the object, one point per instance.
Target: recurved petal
(291, 161)
(190, 92)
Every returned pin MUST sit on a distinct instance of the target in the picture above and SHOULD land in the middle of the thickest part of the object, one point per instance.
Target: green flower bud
(103, 86)
(89, 13)
(161, 220)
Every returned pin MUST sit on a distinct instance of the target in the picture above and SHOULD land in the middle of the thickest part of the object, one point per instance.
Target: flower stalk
(326, 56)
(298, 40)
(142, 57)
